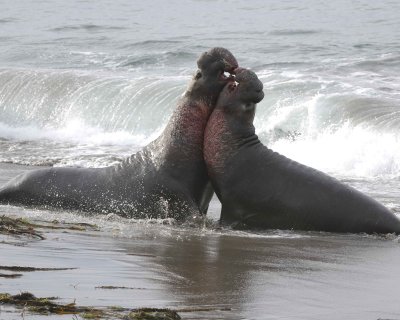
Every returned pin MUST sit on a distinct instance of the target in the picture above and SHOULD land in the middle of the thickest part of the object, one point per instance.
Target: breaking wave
(343, 120)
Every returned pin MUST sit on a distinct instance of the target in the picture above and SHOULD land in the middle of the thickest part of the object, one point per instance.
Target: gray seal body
(261, 189)
(167, 178)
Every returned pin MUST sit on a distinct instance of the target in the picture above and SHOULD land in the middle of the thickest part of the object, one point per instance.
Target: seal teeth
(227, 76)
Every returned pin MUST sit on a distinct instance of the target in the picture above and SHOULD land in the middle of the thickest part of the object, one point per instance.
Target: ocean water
(87, 83)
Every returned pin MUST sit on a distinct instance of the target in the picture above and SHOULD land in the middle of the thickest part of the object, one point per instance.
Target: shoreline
(216, 273)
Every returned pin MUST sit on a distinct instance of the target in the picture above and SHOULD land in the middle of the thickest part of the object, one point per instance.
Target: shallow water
(231, 274)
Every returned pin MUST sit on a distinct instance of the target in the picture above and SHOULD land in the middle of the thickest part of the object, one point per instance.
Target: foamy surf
(76, 144)
(344, 124)
(348, 151)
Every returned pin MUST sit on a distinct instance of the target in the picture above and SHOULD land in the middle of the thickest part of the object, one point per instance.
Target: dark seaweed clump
(18, 227)
(47, 306)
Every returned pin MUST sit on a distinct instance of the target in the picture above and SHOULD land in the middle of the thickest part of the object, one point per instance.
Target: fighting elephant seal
(261, 189)
(167, 178)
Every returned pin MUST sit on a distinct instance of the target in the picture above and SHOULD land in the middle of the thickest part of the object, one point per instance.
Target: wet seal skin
(261, 189)
(167, 178)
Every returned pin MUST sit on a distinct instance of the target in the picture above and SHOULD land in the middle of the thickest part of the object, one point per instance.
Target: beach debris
(32, 269)
(30, 303)
(153, 314)
(40, 305)
(18, 227)
(118, 287)
(10, 276)
(74, 226)
(22, 227)
(25, 269)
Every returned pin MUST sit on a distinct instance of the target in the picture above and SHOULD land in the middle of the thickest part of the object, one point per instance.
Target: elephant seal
(261, 189)
(167, 178)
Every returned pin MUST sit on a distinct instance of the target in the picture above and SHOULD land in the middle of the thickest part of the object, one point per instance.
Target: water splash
(348, 151)
(341, 118)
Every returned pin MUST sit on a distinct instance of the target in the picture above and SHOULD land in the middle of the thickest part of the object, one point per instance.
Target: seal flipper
(7, 194)
(7, 190)
(228, 216)
(206, 198)
(3, 196)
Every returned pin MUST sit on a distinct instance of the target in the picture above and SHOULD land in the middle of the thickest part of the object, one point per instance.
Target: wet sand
(226, 274)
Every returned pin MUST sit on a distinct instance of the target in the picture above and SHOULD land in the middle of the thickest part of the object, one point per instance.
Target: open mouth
(227, 76)
(233, 85)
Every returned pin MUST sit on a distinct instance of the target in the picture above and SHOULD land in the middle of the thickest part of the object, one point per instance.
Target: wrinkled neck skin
(224, 138)
(175, 159)
(181, 143)
(172, 166)
(179, 149)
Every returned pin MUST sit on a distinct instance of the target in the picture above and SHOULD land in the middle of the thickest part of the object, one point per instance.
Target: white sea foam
(77, 132)
(348, 151)
(76, 144)
(346, 126)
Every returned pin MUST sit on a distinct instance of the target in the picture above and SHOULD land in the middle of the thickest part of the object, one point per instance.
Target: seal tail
(12, 191)
(5, 195)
